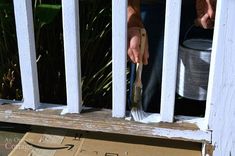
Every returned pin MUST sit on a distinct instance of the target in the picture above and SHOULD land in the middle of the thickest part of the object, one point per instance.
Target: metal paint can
(193, 68)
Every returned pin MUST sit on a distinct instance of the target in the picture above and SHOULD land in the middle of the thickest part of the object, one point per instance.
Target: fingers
(200, 22)
(205, 22)
(210, 10)
(134, 54)
(134, 44)
(134, 48)
(130, 55)
(205, 13)
(134, 39)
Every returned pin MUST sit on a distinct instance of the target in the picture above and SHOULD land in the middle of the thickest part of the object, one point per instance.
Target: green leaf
(46, 13)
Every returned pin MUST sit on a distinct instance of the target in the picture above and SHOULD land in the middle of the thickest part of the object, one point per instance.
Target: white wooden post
(70, 9)
(27, 54)
(170, 55)
(220, 111)
(119, 47)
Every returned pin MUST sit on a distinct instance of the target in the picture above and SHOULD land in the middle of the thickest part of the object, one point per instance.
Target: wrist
(133, 18)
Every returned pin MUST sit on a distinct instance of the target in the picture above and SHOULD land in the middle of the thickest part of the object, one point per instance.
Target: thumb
(202, 22)
(210, 10)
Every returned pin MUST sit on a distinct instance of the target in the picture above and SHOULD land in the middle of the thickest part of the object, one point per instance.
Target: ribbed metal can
(193, 68)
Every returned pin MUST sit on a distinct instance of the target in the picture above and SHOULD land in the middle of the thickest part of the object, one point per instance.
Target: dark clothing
(152, 2)
(153, 17)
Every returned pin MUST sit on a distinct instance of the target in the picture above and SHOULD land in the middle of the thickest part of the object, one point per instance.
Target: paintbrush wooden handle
(137, 90)
(139, 66)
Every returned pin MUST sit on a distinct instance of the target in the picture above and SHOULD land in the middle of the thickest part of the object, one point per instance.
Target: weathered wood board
(102, 121)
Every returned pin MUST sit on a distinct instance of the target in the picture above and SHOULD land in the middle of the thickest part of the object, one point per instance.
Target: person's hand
(134, 40)
(205, 13)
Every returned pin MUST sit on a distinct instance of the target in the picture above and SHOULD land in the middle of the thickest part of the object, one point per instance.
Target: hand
(134, 41)
(134, 36)
(205, 13)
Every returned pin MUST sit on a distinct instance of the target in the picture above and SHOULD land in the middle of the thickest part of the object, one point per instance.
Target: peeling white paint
(200, 122)
(189, 134)
(8, 113)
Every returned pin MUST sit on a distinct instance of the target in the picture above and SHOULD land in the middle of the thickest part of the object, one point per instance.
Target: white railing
(70, 9)
(170, 56)
(221, 89)
(27, 52)
(119, 43)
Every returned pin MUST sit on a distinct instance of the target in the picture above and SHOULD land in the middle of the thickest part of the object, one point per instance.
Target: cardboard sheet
(54, 142)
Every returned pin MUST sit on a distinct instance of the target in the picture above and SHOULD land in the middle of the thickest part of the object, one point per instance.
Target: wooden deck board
(102, 121)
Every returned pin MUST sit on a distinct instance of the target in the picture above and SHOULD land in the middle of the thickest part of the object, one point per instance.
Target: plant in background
(49, 51)
(95, 28)
(10, 86)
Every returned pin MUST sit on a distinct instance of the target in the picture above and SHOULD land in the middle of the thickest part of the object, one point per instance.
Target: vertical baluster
(215, 76)
(171, 41)
(220, 106)
(119, 47)
(27, 54)
(70, 9)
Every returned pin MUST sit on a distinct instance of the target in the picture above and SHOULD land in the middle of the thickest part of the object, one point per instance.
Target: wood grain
(102, 121)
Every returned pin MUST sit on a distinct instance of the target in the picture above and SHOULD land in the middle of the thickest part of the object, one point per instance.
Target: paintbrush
(137, 111)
